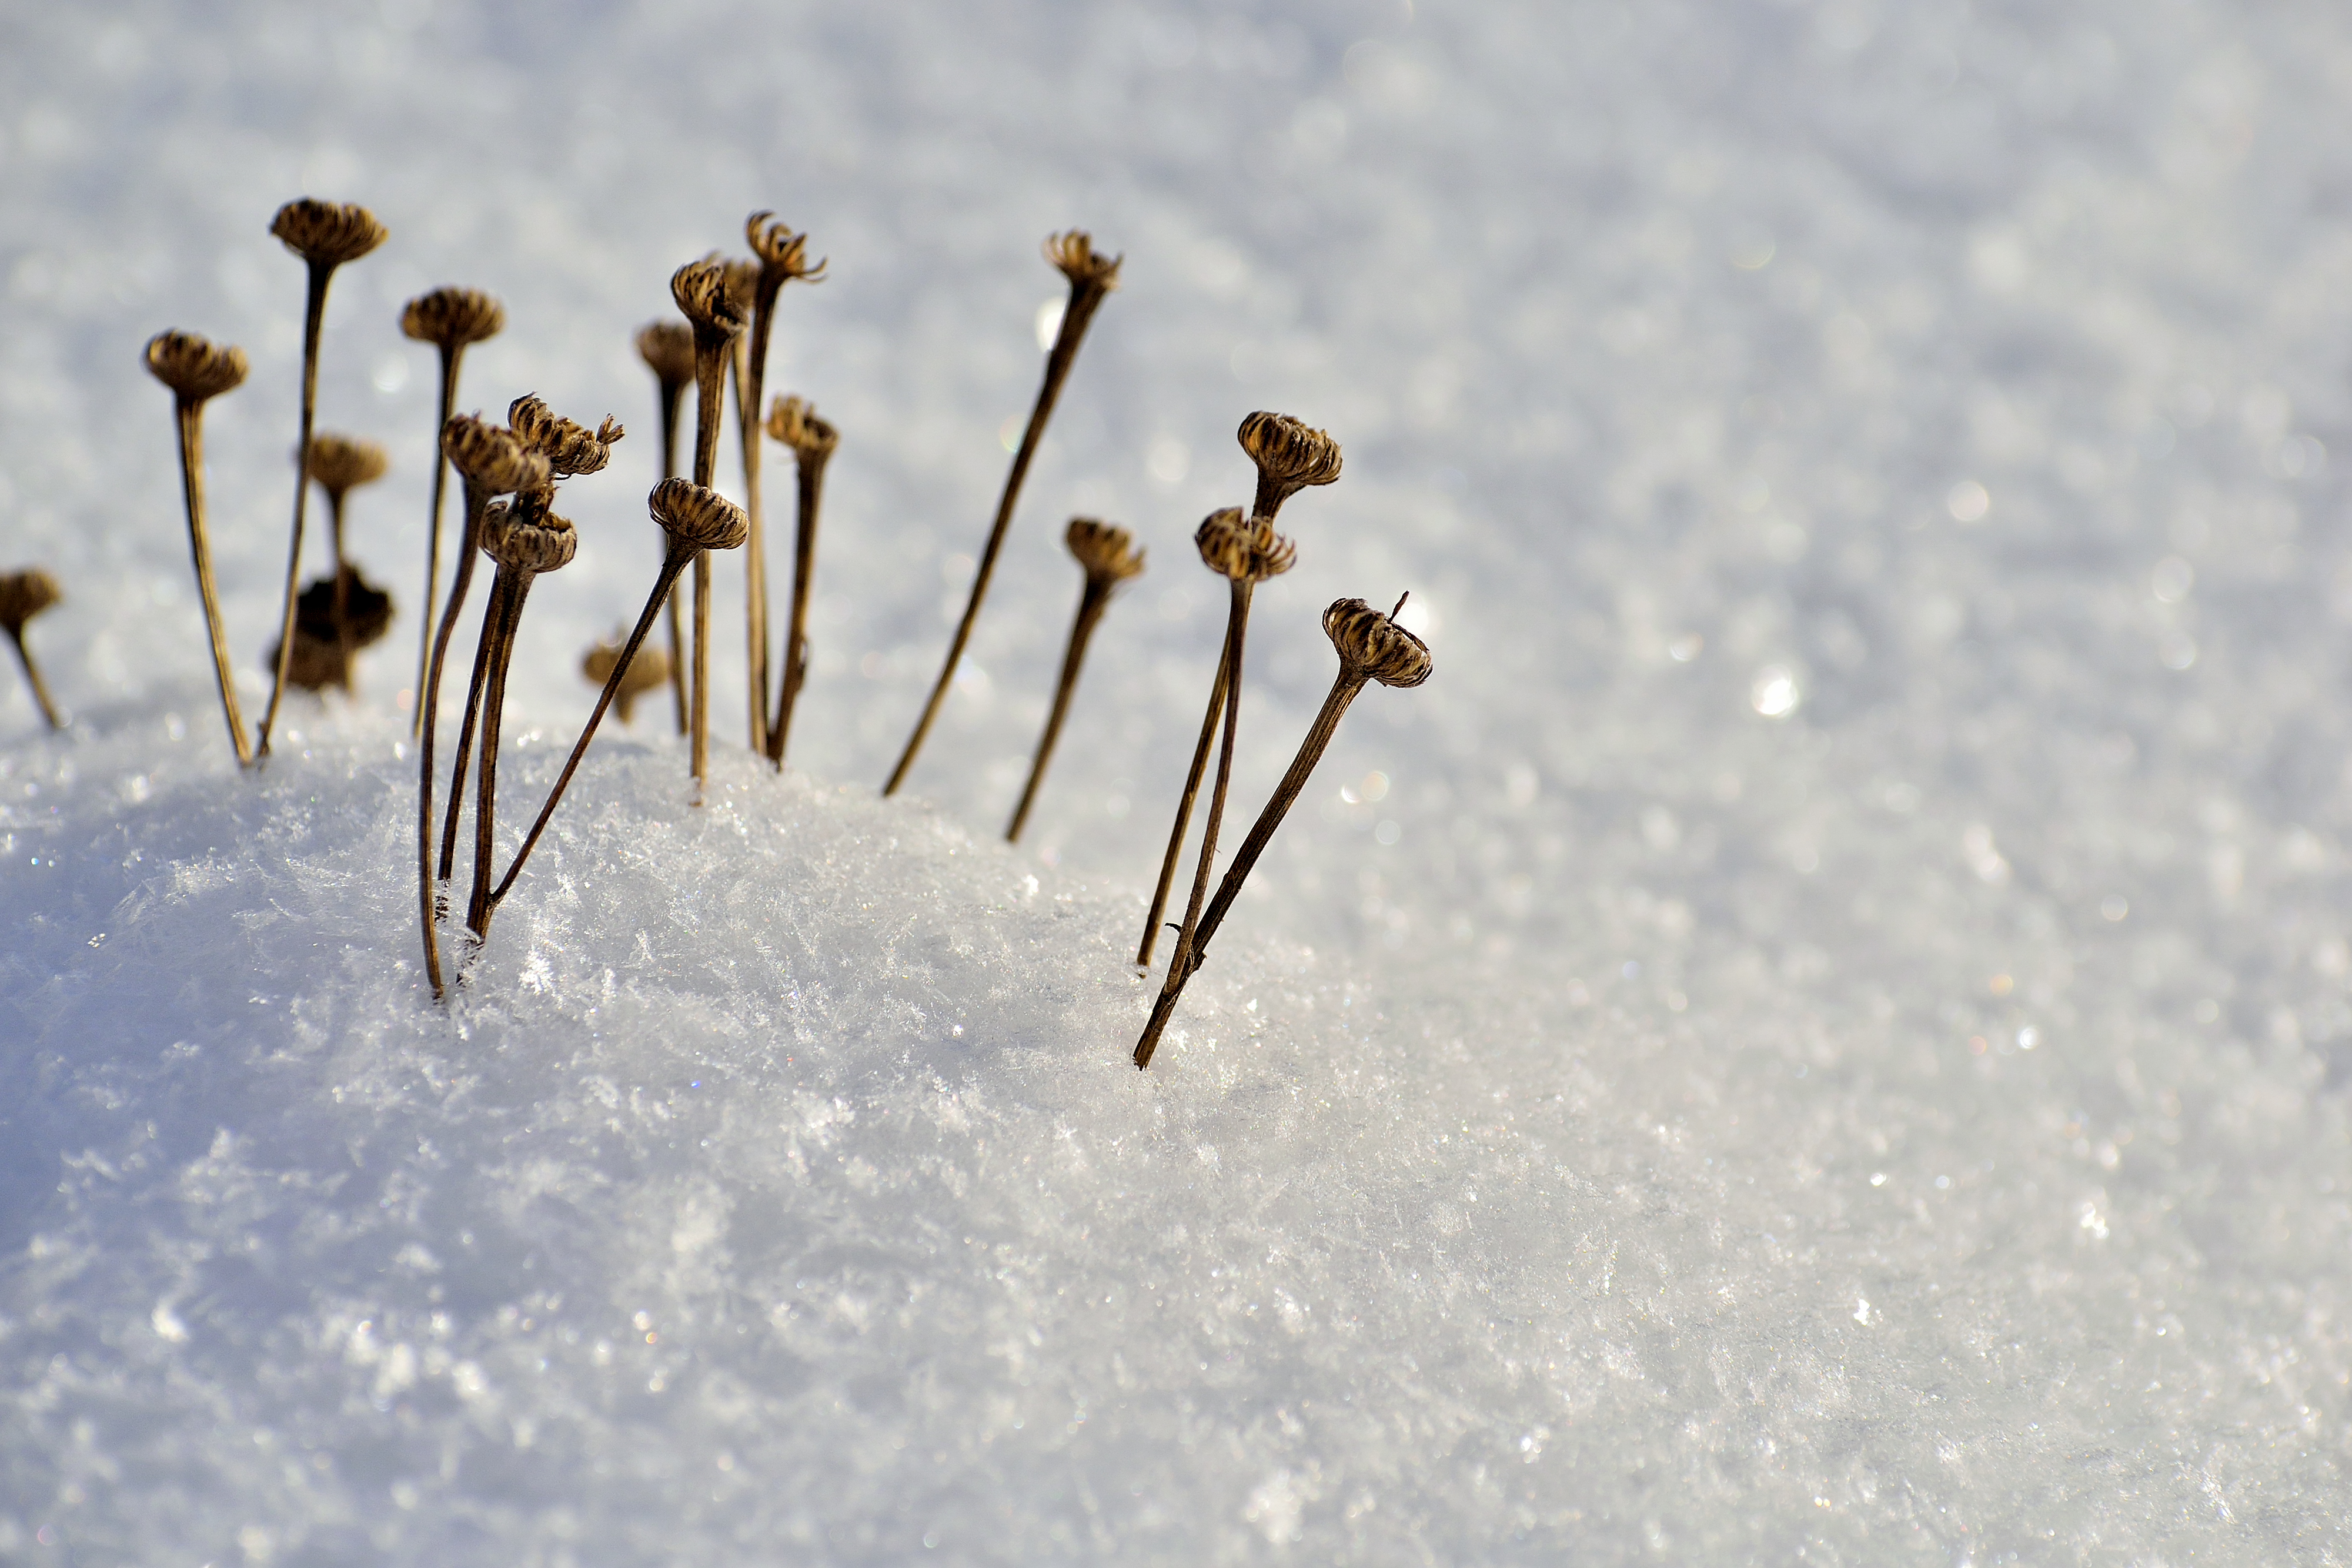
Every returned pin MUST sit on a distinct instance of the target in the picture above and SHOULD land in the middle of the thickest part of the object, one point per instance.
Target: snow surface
(1834, 1043)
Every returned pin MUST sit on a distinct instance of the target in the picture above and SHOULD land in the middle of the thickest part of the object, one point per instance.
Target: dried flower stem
(32, 678)
(1093, 599)
(508, 590)
(701, 290)
(475, 687)
(673, 394)
(451, 353)
(1169, 862)
(191, 420)
(429, 702)
(788, 695)
(314, 313)
(749, 374)
(1091, 279)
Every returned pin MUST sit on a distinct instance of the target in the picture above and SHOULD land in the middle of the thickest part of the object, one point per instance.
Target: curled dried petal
(492, 458)
(1287, 452)
(571, 448)
(701, 292)
(1073, 254)
(783, 254)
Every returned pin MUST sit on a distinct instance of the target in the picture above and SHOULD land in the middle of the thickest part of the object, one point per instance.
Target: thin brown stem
(429, 702)
(673, 562)
(701, 711)
(709, 384)
(314, 314)
(1092, 602)
(450, 355)
(1175, 853)
(811, 475)
(1310, 751)
(343, 591)
(485, 639)
(673, 393)
(1074, 316)
(191, 417)
(515, 586)
(32, 678)
(748, 378)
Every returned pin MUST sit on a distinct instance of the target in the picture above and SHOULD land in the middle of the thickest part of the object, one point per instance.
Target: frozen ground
(1833, 1044)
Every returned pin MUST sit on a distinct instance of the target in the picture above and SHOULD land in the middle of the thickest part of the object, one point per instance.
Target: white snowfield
(1821, 1033)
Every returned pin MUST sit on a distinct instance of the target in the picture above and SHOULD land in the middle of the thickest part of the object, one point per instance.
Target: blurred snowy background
(1822, 1032)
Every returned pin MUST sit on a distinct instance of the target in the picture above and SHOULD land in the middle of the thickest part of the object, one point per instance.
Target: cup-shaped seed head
(667, 348)
(701, 292)
(1289, 455)
(699, 516)
(193, 366)
(528, 537)
(342, 463)
(571, 449)
(783, 255)
(24, 594)
(1105, 550)
(742, 284)
(1375, 646)
(493, 459)
(1234, 547)
(327, 233)
(453, 317)
(793, 421)
(648, 671)
(1073, 254)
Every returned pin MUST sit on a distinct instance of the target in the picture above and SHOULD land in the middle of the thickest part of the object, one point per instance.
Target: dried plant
(695, 520)
(1092, 275)
(336, 618)
(452, 319)
(667, 348)
(1108, 557)
(22, 595)
(795, 423)
(340, 464)
(701, 291)
(1289, 456)
(325, 236)
(649, 669)
(198, 371)
(1371, 647)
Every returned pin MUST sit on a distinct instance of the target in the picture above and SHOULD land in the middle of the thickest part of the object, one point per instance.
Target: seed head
(782, 253)
(341, 463)
(703, 518)
(649, 671)
(742, 284)
(193, 368)
(327, 234)
(1374, 645)
(1234, 547)
(1105, 550)
(24, 594)
(493, 459)
(793, 421)
(527, 537)
(1289, 457)
(701, 290)
(1088, 269)
(453, 317)
(667, 348)
(571, 449)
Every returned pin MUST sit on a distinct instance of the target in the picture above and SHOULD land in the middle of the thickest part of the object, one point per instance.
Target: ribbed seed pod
(571, 449)
(1374, 645)
(327, 234)
(1289, 457)
(700, 516)
(344, 463)
(451, 318)
(494, 460)
(196, 368)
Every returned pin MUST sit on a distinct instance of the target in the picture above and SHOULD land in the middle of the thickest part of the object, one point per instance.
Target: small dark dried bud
(528, 537)
(1375, 646)
(702, 518)
(667, 348)
(327, 233)
(193, 366)
(701, 292)
(783, 255)
(571, 449)
(24, 594)
(1075, 255)
(343, 463)
(1289, 456)
(1106, 551)
(453, 317)
(493, 459)
(793, 421)
(1234, 547)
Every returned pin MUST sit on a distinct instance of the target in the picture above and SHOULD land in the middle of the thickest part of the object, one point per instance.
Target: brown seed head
(703, 518)
(1289, 457)
(342, 463)
(742, 284)
(701, 290)
(327, 234)
(1232, 546)
(24, 594)
(1374, 646)
(1105, 550)
(648, 671)
(526, 537)
(493, 459)
(667, 348)
(1088, 269)
(571, 449)
(783, 255)
(453, 317)
(793, 421)
(193, 368)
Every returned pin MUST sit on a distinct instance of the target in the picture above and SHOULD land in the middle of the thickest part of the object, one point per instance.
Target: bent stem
(1167, 863)
(450, 354)
(1081, 311)
(428, 702)
(674, 561)
(1092, 601)
(1286, 794)
(32, 678)
(314, 313)
(192, 485)
(507, 592)
(812, 497)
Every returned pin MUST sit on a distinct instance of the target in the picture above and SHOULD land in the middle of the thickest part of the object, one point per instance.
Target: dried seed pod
(649, 671)
(196, 368)
(494, 460)
(317, 663)
(667, 348)
(782, 253)
(1289, 456)
(1105, 550)
(793, 421)
(327, 234)
(1374, 645)
(24, 594)
(699, 517)
(362, 619)
(701, 290)
(571, 449)
(528, 537)
(451, 318)
(742, 276)
(343, 463)
(1240, 551)
(1074, 254)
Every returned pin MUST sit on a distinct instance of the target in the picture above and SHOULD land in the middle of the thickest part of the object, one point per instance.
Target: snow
(1822, 1031)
